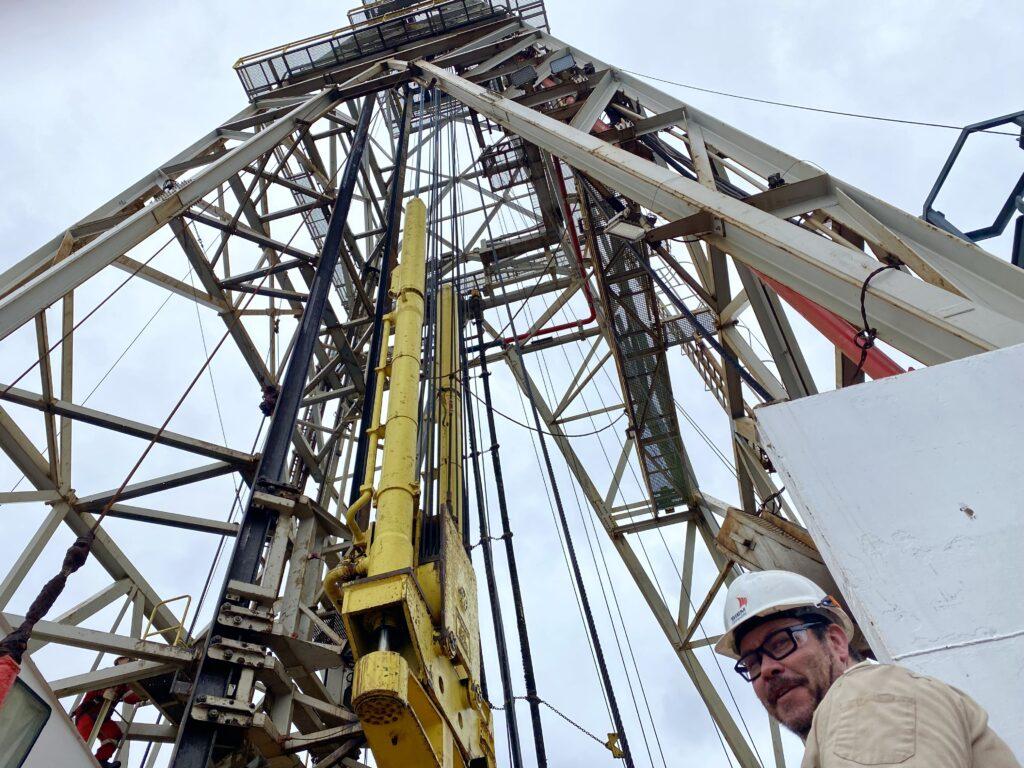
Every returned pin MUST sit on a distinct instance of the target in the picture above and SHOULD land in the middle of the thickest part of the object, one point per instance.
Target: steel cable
(567, 533)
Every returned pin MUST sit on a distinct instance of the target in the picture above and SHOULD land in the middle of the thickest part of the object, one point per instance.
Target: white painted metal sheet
(59, 744)
(913, 489)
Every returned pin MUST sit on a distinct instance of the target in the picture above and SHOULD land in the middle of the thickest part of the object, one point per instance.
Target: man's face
(791, 688)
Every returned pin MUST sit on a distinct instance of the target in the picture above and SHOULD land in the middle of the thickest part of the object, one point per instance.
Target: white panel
(59, 743)
(913, 489)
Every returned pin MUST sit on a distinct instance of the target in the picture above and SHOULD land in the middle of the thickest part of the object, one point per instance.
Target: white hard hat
(762, 593)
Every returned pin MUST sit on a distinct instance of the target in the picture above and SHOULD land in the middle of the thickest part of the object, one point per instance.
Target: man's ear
(837, 640)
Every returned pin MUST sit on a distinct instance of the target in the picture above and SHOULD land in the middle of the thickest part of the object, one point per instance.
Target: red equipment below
(9, 669)
(110, 733)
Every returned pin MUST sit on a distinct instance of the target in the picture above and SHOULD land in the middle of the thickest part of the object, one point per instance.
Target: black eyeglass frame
(742, 670)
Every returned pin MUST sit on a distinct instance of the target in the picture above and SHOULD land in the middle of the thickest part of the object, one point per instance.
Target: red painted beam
(877, 364)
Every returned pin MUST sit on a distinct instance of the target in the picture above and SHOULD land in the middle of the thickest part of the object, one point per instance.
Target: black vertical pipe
(279, 437)
(492, 587)
(387, 259)
(196, 739)
(510, 555)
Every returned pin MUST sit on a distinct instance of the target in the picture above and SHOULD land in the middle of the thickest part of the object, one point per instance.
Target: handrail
(325, 36)
(180, 626)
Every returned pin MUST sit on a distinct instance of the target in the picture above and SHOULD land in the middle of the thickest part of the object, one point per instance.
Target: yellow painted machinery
(410, 617)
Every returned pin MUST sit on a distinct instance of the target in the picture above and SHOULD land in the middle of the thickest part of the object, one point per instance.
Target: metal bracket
(250, 619)
(237, 652)
(223, 711)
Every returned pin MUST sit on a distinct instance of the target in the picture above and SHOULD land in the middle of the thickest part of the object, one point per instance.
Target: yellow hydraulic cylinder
(449, 404)
(392, 545)
(415, 683)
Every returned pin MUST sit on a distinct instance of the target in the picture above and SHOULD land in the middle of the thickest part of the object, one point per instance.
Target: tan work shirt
(884, 714)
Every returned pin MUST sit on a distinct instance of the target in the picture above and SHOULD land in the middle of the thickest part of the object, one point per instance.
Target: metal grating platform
(378, 28)
(641, 339)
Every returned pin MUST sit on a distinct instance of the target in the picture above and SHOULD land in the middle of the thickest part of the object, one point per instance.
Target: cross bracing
(243, 212)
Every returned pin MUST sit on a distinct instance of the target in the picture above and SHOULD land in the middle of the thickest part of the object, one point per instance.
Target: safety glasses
(778, 645)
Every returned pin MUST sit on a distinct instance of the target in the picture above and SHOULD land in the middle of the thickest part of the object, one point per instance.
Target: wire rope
(545, 482)
(584, 519)
(589, 519)
(654, 572)
(577, 573)
(808, 108)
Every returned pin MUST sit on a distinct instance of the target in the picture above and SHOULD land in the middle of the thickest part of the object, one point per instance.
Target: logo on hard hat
(742, 601)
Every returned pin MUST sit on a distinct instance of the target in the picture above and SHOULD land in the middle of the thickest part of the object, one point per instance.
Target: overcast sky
(97, 95)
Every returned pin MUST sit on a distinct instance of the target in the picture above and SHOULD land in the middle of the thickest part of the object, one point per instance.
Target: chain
(613, 737)
(491, 538)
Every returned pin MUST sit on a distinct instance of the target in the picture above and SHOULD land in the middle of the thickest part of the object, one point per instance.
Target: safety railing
(178, 628)
(373, 34)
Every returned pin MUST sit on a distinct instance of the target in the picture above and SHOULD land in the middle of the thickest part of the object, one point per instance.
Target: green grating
(641, 340)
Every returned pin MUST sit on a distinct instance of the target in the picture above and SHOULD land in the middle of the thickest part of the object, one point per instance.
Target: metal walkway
(377, 28)
(641, 339)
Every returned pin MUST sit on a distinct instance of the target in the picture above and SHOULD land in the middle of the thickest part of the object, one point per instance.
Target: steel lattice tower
(570, 205)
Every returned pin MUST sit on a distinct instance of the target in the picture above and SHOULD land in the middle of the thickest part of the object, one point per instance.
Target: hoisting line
(563, 521)
(530, 680)
(577, 573)
(492, 587)
(578, 577)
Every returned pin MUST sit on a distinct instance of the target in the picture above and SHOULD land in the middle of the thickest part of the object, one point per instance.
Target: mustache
(780, 684)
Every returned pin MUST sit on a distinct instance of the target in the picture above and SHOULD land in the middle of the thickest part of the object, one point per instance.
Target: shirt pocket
(880, 729)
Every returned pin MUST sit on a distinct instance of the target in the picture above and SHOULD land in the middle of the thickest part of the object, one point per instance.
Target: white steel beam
(125, 426)
(42, 290)
(93, 639)
(596, 102)
(928, 323)
(504, 55)
(173, 519)
(95, 603)
(981, 276)
(110, 676)
(97, 501)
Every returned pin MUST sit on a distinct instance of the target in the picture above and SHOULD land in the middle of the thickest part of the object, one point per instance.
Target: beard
(805, 694)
